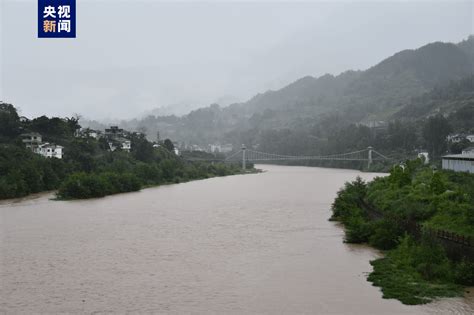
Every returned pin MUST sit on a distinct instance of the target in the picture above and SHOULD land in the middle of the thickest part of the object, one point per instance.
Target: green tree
(168, 145)
(435, 131)
(142, 149)
(9, 121)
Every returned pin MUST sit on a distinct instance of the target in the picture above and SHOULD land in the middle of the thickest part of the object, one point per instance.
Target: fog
(130, 57)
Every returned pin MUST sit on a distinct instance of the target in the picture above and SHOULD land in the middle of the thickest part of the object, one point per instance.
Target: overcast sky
(133, 56)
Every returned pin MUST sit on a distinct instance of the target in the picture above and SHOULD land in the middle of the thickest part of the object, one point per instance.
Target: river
(246, 244)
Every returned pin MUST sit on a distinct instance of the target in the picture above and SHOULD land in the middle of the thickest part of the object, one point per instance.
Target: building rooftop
(51, 145)
(28, 134)
(469, 157)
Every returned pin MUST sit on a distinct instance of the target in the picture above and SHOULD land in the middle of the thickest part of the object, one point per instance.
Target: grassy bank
(417, 266)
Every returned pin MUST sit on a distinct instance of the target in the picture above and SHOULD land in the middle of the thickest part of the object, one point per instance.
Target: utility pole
(243, 157)
(370, 157)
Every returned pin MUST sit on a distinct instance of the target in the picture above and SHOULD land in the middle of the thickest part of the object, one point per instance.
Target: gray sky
(133, 56)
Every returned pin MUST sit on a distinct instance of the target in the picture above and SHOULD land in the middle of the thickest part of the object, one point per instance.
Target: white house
(34, 142)
(50, 150)
(470, 138)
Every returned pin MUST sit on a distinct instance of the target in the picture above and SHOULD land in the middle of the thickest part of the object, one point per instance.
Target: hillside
(400, 85)
(444, 100)
(391, 83)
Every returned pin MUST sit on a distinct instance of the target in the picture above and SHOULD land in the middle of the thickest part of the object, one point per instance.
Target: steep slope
(378, 93)
(443, 100)
(467, 46)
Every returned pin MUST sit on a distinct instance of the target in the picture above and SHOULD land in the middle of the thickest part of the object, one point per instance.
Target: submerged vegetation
(88, 168)
(424, 221)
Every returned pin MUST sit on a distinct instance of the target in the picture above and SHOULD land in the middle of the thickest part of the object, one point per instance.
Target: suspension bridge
(244, 155)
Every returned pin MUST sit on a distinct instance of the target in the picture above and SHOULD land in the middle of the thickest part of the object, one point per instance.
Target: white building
(50, 150)
(31, 140)
(459, 162)
(34, 142)
(221, 148)
(424, 156)
(456, 138)
(114, 132)
(470, 138)
(125, 145)
(469, 150)
(88, 133)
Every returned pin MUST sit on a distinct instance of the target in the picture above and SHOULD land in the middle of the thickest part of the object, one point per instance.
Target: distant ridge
(381, 92)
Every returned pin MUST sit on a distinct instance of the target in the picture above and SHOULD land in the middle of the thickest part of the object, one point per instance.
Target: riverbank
(84, 186)
(88, 166)
(398, 214)
(91, 175)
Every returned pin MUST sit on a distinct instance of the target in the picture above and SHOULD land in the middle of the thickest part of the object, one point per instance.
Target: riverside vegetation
(88, 169)
(416, 268)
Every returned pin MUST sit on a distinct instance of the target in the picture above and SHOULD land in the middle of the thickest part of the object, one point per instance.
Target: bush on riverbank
(134, 177)
(23, 172)
(440, 199)
(414, 273)
(82, 186)
(382, 212)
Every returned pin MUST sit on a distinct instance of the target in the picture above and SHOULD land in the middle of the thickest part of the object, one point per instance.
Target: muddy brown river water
(246, 244)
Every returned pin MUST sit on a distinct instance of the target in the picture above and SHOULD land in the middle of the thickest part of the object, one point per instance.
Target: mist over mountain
(177, 109)
(391, 89)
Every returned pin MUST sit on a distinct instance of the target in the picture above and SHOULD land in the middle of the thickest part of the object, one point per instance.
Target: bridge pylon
(369, 158)
(243, 157)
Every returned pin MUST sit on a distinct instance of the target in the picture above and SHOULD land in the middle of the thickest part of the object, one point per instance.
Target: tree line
(87, 169)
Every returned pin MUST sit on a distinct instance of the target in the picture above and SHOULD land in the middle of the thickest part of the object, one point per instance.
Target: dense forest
(389, 106)
(424, 220)
(88, 168)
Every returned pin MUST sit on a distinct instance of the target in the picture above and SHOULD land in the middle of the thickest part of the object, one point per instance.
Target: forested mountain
(446, 99)
(388, 84)
(410, 84)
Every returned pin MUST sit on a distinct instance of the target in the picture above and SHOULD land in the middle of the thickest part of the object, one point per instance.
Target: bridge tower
(370, 149)
(243, 157)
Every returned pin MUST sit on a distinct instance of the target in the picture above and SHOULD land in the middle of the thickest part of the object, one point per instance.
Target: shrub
(358, 230)
(464, 273)
(385, 234)
(82, 186)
